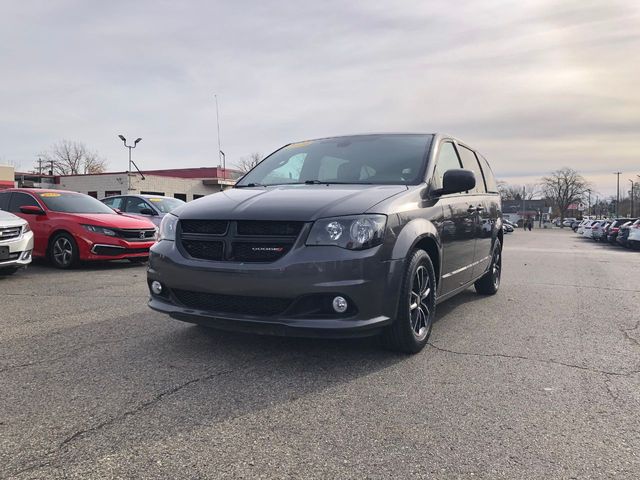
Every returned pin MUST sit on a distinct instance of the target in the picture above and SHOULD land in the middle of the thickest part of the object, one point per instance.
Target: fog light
(156, 287)
(340, 304)
(26, 255)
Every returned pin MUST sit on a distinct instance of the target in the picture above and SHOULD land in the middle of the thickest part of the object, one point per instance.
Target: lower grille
(204, 249)
(260, 306)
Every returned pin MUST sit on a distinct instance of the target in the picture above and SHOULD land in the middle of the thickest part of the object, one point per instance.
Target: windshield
(362, 159)
(165, 204)
(73, 203)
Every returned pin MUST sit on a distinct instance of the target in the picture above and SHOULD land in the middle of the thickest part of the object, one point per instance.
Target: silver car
(16, 243)
(149, 207)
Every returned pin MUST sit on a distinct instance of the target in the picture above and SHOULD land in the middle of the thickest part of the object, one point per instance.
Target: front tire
(489, 283)
(411, 328)
(63, 253)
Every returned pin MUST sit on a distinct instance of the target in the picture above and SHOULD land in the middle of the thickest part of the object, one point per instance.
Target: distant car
(568, 222)
(512, 225)
(587, 228)
(69, 227)
(600, 233)
(597, 229)
(507, 228)
(16, 243)
(634, 235)
(614, 228)
(148, 207)
(623, 234)
(582, 226)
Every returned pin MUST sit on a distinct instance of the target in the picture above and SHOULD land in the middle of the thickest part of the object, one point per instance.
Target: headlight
(26, 228)
(168, 227)
(355, 232)
(100, 230)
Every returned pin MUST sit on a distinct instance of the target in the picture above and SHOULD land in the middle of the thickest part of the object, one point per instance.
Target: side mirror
(457, 180)
(32, 210)
(147, 211)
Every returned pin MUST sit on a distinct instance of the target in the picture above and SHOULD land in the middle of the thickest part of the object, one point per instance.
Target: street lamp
(130, 147)
(631, 199)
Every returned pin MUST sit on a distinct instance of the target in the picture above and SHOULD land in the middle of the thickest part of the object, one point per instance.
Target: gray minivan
(343, 236)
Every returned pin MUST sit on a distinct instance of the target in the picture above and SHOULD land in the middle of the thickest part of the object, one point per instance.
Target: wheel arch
(54, 234)
(422, 234)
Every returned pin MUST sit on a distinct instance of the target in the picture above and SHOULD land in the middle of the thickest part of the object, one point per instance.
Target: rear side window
(136, 205)
(470, 162)
(447, 160)
(19, 199)
(114, 202)
(4, 201)
(489, 179)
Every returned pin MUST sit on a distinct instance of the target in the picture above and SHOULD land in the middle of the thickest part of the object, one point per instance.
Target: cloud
(535, 85)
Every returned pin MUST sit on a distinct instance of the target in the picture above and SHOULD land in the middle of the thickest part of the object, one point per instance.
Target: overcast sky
(534, 85)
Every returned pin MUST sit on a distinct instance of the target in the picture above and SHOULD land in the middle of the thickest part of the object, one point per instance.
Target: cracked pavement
(540, 381)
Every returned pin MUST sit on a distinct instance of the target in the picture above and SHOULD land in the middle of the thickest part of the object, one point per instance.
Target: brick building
(184, 183)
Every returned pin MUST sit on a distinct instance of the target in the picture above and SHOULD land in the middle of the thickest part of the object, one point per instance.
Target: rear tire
(411, 328)
(490, 282)
(63, 252)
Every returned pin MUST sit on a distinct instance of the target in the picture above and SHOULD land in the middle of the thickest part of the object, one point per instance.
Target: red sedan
(69, 227)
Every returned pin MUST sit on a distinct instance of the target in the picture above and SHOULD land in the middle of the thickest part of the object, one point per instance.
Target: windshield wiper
(252, 184)
(318, 182)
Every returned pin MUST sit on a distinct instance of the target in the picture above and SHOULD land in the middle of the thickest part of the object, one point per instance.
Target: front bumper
(95, 247)
(303, 276)
(20, 251)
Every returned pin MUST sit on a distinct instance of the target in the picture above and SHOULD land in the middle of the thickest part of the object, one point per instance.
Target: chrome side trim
(455, 272)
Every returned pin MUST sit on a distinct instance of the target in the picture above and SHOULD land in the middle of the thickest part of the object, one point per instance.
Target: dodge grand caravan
(344, 236)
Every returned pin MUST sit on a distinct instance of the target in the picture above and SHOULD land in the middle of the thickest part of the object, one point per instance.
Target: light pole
(631, 199)
(224, 165)
(130, 147)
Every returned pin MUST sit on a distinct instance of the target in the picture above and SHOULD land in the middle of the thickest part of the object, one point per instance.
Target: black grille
(138, 235)
(262, 306)
(207, 227)
(271, 229)
(258, 252)
(238, 241)
(204, 249)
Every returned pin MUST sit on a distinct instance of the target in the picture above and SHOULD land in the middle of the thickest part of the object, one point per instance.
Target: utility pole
(523, 205)
(617, 193)
(631, 199)
(50, 167)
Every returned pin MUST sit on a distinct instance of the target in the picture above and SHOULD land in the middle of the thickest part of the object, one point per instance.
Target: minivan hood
(288, 202)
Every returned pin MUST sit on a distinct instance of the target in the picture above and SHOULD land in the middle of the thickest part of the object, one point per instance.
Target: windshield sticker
(299, 144)
(50, 194)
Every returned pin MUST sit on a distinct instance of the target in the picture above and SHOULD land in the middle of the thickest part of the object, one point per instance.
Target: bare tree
(514, 192)
(73, 158)
(247, 163)
(564, 187)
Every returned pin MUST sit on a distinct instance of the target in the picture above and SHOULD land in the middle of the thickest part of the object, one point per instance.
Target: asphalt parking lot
(540, 381)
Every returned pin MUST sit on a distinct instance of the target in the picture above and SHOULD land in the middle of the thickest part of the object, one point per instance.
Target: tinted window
(19, 199)
(114, 202)
(447, 160)
(470, 162)
(68, 202)
(136, 205)
(4, 201)
(489, 178)
(365, 159)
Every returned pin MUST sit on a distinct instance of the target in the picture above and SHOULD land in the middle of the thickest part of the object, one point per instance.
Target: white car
(634, 235)
(581, 226)
(567, 222)
(16, 243)
(597, 229)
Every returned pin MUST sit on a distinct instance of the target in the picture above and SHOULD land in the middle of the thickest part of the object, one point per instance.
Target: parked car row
(69, 227)
(617, 231)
